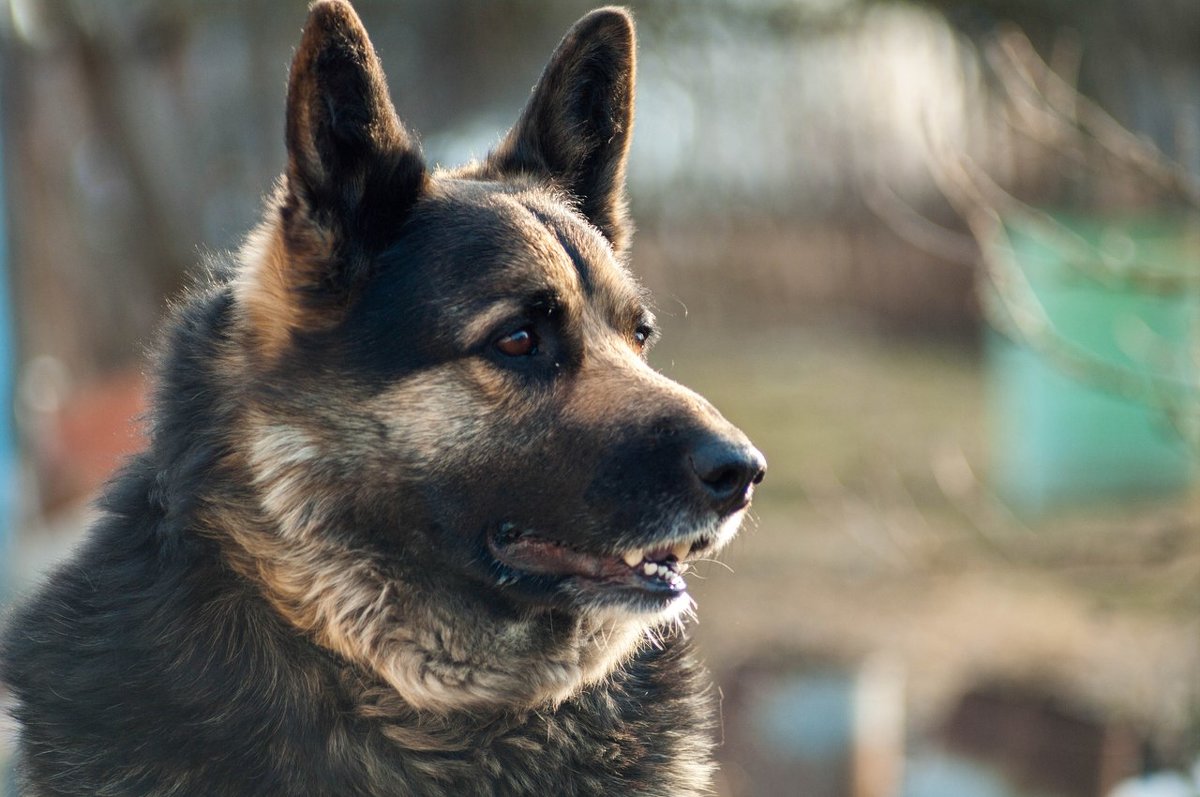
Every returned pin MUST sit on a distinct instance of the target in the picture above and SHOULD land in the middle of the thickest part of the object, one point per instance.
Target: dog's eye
(642, 335)
(521, 343)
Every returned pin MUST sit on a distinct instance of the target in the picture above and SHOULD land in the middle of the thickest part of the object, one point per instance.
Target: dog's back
(415, 515)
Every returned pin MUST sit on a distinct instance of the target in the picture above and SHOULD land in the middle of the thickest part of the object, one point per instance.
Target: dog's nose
(726, 469)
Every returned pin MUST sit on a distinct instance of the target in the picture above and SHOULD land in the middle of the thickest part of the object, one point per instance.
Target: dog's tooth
(649, 568)
(682, 550)
(633, 558)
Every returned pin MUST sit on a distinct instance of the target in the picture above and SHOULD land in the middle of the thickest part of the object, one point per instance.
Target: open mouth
(655, 570)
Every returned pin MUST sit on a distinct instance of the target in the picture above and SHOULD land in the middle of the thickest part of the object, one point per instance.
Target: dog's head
(466, 463)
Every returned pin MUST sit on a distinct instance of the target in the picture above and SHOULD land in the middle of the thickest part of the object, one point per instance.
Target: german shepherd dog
(415, 513)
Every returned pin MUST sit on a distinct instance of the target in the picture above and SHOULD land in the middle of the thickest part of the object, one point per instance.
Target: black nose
(726, 469)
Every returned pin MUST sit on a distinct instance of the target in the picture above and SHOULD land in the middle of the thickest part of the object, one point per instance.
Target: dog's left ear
(353, 174)
(575, 129)
(351, 163)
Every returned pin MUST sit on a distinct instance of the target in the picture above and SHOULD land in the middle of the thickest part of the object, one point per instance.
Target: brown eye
(521, 343)
(641, 335)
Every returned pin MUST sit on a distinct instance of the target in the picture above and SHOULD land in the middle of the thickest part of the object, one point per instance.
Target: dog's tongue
(536, 555)
(658, 572)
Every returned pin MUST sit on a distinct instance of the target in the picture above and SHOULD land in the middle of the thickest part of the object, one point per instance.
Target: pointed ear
(576, 128)
(353, 173)
(351, 163)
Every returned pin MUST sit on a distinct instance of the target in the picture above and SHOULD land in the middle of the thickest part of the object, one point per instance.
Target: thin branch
(1093, 263)
(1015, 309)
(1061, 109)
(912, 226)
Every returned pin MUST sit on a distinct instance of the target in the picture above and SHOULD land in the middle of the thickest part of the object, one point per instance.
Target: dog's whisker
(715, 562)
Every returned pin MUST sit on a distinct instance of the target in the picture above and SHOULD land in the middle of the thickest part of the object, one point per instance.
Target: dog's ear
(353, 173)
(345, 144)
(576, 126)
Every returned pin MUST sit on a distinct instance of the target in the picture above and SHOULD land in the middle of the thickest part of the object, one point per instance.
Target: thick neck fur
(440, 651)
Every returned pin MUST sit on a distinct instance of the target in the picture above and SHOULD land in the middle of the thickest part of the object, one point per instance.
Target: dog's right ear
(575, 128)
(353, 173)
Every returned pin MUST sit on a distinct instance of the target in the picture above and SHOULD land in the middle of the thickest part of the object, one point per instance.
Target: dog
(415, 512)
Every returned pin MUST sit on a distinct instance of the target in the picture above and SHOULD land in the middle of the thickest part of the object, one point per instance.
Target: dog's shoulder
(95, 659)
(144, 667)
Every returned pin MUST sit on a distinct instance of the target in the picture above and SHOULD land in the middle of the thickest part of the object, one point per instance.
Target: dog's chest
(603, 743)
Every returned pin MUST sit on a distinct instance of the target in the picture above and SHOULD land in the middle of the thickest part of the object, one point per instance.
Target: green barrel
(1103, 413)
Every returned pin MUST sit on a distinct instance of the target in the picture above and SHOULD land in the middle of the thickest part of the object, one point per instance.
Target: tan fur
(269, 274)
(353, 605)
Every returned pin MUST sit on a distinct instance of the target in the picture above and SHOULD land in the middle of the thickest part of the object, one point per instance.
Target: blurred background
(941, 260)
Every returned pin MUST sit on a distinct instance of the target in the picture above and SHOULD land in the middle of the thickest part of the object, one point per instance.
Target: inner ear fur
(353, 173)
(575, 129)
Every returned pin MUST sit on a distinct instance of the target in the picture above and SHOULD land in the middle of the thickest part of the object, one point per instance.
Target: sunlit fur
(291, 591)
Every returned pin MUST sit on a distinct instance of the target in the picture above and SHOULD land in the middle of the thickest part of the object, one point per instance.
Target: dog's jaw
(368, 612)
(368, 607)
(382, 625)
